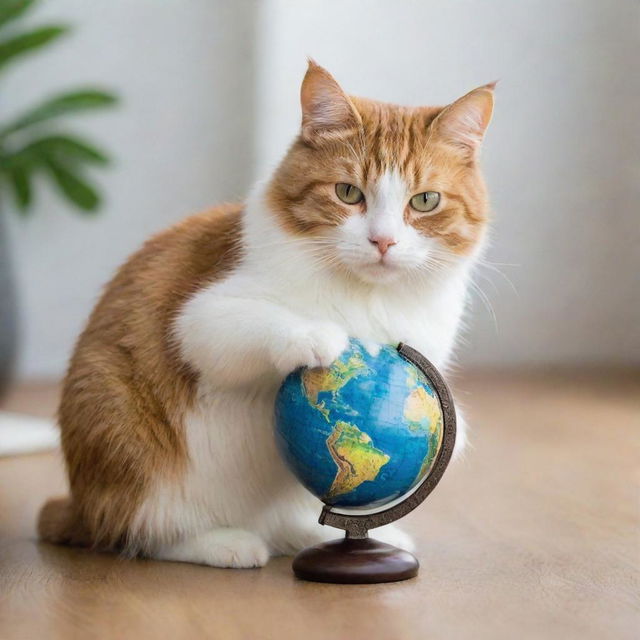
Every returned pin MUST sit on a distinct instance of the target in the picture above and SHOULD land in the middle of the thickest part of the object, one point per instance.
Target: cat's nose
(383, 243)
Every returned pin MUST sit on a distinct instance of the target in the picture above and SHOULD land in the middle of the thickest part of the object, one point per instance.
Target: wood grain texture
(535, 534)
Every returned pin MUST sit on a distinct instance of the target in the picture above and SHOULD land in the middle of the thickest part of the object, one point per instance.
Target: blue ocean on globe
(364, 431)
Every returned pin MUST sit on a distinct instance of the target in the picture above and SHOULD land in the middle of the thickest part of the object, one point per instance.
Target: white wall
(207, 85)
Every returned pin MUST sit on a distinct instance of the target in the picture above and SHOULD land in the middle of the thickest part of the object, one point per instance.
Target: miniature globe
(363, 432)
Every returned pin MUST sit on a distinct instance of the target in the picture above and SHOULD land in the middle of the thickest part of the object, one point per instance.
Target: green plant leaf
(20, 180)
(28, 156)
(82, 194)
(61, 156)
(11, 9)
(27, 42)
(68, 149)
(66, 103)
(63, 148)
(76, 149)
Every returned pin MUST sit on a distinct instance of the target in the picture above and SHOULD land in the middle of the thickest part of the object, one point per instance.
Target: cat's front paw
(315, 345)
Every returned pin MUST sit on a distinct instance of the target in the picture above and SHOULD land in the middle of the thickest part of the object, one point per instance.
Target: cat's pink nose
(383, 243)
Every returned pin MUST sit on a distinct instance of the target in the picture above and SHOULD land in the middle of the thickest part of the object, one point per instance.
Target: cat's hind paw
(224, 548)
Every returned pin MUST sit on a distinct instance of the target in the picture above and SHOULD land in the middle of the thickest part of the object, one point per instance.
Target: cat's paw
(224, 548)
(392, 535)
(242, 550)
(315, 345)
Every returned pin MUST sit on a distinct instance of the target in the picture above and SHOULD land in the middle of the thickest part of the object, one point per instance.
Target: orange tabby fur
(126, 390)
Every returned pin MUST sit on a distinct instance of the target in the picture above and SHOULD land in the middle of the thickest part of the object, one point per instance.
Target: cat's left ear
(463, 123)
(327, 110)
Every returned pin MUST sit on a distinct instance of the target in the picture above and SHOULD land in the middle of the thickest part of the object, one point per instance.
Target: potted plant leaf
(33, 145)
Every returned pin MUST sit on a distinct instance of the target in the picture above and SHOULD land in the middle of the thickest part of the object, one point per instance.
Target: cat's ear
(327, 111)
(463, 123)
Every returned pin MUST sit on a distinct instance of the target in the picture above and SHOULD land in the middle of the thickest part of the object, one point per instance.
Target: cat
(369, 228)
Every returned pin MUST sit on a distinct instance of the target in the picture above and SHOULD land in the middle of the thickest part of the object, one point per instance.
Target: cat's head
(380, 190)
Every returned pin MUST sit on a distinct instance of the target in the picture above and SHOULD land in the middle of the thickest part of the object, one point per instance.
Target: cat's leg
(224, 547)
(234, 340)
(290, 521)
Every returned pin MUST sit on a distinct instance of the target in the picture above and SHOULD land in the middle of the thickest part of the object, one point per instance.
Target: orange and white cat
(369, 228)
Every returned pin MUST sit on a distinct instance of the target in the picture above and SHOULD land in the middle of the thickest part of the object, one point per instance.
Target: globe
(363, 432)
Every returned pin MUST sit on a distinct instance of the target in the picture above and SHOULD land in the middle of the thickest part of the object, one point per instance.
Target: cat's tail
(59, 524)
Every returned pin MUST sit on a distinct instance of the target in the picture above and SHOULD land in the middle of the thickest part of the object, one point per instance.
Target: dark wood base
(355, 561)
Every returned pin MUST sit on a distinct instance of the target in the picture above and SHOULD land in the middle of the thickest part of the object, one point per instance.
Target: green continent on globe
(331, 380)
(357, 459)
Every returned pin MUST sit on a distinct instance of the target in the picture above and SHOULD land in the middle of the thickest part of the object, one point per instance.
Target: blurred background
(208, 102)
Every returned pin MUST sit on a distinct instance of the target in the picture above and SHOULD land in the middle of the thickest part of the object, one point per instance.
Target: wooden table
(535, 534)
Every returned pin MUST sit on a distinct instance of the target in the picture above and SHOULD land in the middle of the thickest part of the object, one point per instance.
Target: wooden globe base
(355, 561)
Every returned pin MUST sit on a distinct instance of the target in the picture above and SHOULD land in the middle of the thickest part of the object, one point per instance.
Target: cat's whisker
(488, 280)
(485, 300)
(492, 266)
(486, 262)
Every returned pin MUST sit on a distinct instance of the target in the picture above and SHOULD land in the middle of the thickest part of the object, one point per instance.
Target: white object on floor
(20, 434)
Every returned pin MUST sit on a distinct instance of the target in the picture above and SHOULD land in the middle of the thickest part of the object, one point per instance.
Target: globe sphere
(363, 432)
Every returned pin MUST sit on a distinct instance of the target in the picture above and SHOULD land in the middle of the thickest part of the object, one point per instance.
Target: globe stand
(356, 558)
(355, 561)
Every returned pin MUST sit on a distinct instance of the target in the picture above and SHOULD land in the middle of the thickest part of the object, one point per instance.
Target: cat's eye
(425, 202)
(348, 193)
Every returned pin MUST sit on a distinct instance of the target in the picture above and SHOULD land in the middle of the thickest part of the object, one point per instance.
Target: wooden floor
(534, 535)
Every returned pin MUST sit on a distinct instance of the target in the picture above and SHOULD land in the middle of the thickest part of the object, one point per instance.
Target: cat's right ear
(327, 111)
(463, 123)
